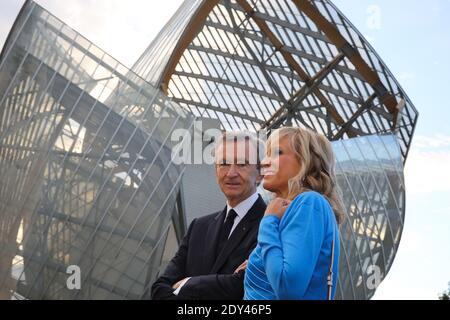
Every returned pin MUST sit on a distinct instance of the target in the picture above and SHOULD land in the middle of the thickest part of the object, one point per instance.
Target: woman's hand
(242, 267)
(176, 285)
(277, 207)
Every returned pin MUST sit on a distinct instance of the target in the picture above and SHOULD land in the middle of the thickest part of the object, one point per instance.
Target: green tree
(446, 294)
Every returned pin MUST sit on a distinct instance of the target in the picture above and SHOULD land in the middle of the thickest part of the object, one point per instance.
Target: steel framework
(86, 172)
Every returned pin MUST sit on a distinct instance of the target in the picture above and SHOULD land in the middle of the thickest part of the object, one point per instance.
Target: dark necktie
(225, 230)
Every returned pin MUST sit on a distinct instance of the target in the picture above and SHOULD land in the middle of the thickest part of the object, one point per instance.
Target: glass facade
(85, 167)
(86, 173)
(370, 175)
(264, 64)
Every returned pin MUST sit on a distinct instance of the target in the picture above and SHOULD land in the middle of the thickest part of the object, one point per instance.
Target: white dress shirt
(241, 210)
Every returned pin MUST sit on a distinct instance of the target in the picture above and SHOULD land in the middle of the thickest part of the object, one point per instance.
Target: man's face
(236, 171)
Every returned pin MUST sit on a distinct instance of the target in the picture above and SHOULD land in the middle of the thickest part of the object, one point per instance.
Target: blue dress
(293, 255)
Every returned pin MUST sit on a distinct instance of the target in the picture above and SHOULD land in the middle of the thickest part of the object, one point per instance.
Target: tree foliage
(446, 294)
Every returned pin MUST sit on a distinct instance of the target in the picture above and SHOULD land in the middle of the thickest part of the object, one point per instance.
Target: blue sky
(413, 39)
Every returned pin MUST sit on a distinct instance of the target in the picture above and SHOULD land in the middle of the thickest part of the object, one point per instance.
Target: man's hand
(277, 207)
(242, 267)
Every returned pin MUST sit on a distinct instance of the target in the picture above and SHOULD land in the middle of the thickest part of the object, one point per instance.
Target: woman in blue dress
(297, 253)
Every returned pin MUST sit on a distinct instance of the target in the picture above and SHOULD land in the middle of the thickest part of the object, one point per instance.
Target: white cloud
(123, 29)
(421, 266)
(426, 142)
(9, 10)
(116, 26)
(428, 165)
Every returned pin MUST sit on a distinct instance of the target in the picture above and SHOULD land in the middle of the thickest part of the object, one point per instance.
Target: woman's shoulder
(307, 205)
(311, 198)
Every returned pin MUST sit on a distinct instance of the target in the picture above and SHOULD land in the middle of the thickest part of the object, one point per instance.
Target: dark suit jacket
(212, 276)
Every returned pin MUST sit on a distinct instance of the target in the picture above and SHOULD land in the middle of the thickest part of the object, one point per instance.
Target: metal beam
(59, 267)
(197, 21)
(282, 72)
(229, 83)
(260, 64)
(304, 91)
(352, 54)
(311, 111)
(365, 106)
(275, 20)
(69, 218)
(289, 49)
(292, 62)
(218, 109)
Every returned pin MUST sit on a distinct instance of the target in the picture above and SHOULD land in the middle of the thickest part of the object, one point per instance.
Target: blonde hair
(317, 166)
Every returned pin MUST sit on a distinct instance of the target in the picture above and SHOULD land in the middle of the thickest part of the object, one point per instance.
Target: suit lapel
(212, 237)
(255, 213)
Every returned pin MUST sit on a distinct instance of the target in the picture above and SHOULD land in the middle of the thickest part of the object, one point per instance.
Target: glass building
(87, 177)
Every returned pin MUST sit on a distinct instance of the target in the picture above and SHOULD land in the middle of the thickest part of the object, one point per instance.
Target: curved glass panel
(85, 153)
(85, 167)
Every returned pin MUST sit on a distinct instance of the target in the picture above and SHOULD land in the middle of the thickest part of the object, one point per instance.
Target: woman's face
(279, 166)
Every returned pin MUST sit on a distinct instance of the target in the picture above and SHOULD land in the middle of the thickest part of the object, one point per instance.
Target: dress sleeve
(290, 247)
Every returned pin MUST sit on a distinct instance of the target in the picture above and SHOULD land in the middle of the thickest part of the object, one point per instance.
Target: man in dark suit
(208, 264)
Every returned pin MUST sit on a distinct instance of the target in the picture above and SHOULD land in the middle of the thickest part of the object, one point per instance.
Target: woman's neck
(283, 194)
